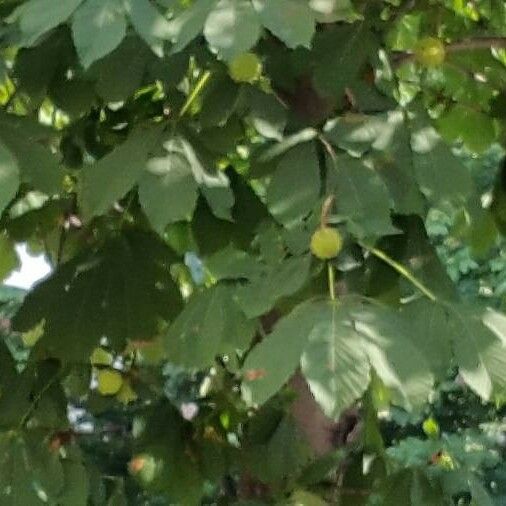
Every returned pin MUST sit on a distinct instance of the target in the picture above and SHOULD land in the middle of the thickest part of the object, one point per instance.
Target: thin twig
(328, 147)
(403, 271)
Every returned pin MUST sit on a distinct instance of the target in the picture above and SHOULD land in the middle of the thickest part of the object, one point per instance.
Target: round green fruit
(245, 68)
(144, 468)
(326, 243)
(109, 381)
(430, 52)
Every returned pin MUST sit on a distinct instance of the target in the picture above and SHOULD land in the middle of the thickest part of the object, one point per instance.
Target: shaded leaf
(98, 27)
(288, 200)
(334, 362)
(292, 21)
(113, 175)
(211, 324)
(122, 291)
(232, 28)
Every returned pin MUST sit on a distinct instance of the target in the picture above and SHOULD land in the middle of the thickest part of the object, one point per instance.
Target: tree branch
(454, 47)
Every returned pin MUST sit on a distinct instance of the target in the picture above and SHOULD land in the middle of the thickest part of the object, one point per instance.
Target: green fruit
(144, 468)
(245, 68)
(326, 243)
(101, 357)
(109, 381)
(431, 428)
(430, 52)
(126, 394)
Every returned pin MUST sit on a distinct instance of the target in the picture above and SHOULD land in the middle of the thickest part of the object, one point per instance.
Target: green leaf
(211, 324)
(273, 283)
(474, 128)
(480, 496)
(398, 362)
(232, 28)
(168, 190)
(342, 53)
(405, 33)
(362, 198)
(36, 17)
(77, 484)
(220, 101)
(267, 115)
(26, 141)
(231, 263)
(190, 23)
(330, 11)
(122, 291)
(120, 73)
(220, 199)
(428, 322)
(287, 451)
(149, 24)
(8, 257)
(26, 467)
(116, 173)
(291, 21)
(440, 174)
(9, 176)
(334, 362)
(479, 353)
(288, 200)
(264, 372)
(386, 139)
(98, 27)
(36, 68)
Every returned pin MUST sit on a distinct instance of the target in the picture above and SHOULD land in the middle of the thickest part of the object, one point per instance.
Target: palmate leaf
(265, 373)
(342, 52)
(335, 363)
(289, 201)
(398, 362)
(168, 190)
(292, 21)
(271, 284)
(36, 17)
(385, 140)
(287, 450)
(476, 339)
(149, 24)
(440, 174)
(232, 28)
(336, 346)
(26, 140)
(413, 488)
(98, 27)
(211, 324)
(27, 467)
(120, 73)
(479, 344)
(164, 435)
(121, 292)
(361, 197)
(9, 176)
(190, 23)
(116, 173)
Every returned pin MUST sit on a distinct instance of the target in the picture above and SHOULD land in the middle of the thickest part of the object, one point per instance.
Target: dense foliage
(238, 199)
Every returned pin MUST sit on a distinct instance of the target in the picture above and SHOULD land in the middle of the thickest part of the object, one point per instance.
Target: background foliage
(188, 348)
